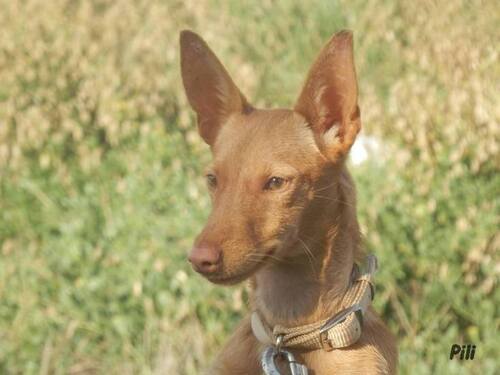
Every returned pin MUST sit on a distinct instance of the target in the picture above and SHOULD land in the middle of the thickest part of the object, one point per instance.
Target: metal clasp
(271, 353)
(337, 319)
(279, 342)
(268, 362)
(295, 367)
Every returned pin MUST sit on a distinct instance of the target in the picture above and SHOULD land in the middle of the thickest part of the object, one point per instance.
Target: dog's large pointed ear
(329, 98)
(209, 88)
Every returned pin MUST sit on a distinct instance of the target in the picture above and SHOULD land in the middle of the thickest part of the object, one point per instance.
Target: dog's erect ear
(329, 98)
(209, 88)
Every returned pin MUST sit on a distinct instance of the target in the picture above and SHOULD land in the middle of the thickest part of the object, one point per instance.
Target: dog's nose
(205, 259)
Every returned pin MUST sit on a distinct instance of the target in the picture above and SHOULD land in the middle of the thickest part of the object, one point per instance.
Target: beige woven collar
(339, 331)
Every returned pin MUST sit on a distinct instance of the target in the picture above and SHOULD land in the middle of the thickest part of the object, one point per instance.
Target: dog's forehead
(264, 135)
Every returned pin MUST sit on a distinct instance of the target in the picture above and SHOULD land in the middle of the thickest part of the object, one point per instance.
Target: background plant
(100, 189)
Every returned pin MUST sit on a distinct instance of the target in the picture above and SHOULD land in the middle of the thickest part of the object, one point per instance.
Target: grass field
(101, 190)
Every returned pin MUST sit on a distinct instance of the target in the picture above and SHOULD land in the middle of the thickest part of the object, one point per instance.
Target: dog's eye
(211, 181)
(274, 183)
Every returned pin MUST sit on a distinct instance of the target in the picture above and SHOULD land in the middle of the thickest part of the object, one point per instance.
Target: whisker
(309, 253)
(256, 258)
(327, 186)
(334, 200)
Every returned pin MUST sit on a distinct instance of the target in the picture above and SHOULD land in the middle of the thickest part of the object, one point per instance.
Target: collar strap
(341, 330)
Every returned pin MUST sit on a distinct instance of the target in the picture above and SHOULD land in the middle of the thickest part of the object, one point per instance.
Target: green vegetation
(101, 191)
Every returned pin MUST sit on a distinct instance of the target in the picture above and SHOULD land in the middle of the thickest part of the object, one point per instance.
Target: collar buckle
(335, 320)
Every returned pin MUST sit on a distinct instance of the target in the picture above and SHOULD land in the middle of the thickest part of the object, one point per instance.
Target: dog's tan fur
(298, 241)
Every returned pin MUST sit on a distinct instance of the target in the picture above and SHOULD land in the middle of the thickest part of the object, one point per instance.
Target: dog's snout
(205, 259)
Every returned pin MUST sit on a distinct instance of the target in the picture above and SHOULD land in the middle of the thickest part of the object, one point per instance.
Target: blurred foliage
(100, 190)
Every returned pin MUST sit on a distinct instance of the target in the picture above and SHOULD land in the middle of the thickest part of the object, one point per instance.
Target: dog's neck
(309, 287)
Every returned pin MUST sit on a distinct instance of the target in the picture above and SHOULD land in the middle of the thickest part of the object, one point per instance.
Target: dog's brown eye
(274, 183)
(211, 181)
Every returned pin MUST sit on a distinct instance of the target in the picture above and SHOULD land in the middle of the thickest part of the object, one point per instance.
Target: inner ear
(210, 90)
(329, 97)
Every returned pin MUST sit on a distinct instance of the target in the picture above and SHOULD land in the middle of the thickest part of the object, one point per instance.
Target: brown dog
(284, 211)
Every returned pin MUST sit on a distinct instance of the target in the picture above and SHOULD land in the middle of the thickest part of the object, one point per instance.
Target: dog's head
(267, 164)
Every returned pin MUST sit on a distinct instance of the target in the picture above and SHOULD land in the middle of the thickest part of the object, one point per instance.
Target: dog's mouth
(254, 261)
(229, 279)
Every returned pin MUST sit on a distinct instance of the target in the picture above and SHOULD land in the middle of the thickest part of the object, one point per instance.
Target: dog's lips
(271, 251)
(227, 280)
(236, 278)
(231, 279)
